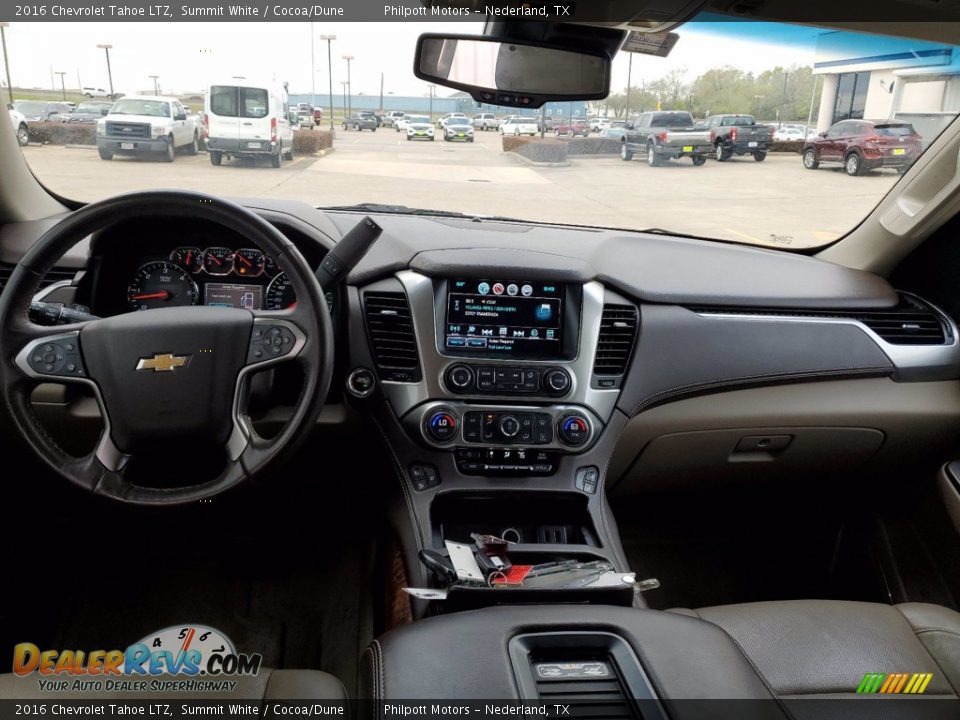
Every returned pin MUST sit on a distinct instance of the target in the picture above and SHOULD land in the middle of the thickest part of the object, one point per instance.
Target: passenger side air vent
(52, 276)
(618, 331)
(590, 689)
(912, 322)
(392, 340)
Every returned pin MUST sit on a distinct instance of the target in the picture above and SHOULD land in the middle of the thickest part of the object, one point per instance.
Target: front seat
(811, 648)
(267, 685)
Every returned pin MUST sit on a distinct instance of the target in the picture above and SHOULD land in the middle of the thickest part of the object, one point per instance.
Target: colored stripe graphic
(894, 683)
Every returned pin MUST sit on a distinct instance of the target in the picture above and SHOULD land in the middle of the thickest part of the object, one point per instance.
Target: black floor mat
(286, 573)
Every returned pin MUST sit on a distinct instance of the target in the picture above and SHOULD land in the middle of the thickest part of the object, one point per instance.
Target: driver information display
(248, 297)
(508, 317)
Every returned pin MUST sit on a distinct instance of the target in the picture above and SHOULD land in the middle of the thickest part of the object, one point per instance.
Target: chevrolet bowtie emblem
(162, 363)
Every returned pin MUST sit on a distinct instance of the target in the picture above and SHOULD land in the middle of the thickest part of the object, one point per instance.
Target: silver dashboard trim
(912, 362)
(404, 396)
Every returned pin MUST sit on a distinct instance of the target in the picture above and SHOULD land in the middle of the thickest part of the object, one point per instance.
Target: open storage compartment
(525, 518)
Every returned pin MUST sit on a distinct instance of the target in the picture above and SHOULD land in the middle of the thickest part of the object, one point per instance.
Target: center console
(496, 391)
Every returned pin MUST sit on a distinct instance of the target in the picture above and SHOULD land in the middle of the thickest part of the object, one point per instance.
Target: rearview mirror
(510, 73)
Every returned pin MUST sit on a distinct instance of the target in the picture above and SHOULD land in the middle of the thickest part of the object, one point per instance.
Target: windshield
(90, 108)
(646, 157)
(132, 106)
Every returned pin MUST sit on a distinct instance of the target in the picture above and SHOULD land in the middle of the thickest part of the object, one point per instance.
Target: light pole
(63, 87)
(313, 73)
(348, 58)
(106, 47)
(431, 87)
(329, 39)
(626, 108)
(343, 84)
(6, 58)
(156, 85)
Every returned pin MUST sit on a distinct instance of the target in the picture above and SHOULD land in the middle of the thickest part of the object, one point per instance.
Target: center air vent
(618, 330)
(392, 340)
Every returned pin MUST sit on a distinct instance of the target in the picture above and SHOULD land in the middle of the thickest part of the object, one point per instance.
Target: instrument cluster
(215, 276)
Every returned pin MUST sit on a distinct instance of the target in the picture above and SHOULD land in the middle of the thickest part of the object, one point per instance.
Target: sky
(188, 56)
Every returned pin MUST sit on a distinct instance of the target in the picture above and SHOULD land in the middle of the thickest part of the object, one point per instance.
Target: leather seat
(267, 685)
(811, 648)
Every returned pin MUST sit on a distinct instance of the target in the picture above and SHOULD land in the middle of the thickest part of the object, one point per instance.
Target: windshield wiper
(404, 210)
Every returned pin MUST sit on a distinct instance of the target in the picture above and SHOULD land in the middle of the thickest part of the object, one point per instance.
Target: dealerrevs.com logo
(178, 658)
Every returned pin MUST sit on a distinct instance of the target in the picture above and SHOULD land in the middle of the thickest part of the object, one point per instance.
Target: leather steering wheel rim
(305, 335)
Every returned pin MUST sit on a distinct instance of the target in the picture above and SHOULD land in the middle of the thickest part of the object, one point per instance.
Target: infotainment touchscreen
(505, 317)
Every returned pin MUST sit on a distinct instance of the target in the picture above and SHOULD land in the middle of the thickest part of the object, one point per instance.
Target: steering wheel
(164, 374)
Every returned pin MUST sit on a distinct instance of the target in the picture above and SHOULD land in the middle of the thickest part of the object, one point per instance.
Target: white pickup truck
(140, 124)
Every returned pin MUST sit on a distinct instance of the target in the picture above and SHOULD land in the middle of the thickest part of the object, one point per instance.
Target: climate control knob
(460, 377)
(573, 429)
(557, 381)
(441, 425)
(509, 426)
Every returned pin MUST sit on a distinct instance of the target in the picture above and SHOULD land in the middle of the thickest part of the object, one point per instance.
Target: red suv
(573, 128)
(863, 145)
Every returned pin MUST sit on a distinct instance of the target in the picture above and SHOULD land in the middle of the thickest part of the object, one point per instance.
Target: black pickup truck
(664, 134)
(738, 135)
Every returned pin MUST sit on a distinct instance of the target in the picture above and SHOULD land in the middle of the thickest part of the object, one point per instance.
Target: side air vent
(618, 331)
(392, 340)
(52, 276)
(912, 322)
(592, 689)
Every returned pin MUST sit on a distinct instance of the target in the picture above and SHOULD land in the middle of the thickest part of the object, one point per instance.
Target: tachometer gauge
(248, 262)
(280, 293)
(161, 284)
(218, 260)
(189, 258)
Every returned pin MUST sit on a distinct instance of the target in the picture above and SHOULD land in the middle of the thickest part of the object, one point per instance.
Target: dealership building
(907, 80)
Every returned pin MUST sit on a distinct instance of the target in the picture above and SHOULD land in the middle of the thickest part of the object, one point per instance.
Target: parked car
(864, 145)
(137, 125)
(95, 92)
(360, 122)
(599, 125)
(88, 112)
(577, 126)
(418, 127)
(738, 135)
(517, 125)
(790, 133)
(457, 128)
(41, 110)
(391, 118)
(485, 121)
(19, 123)
(441, 123)
(248, 119)
(303, 120)
(665, 134)
(617, 130)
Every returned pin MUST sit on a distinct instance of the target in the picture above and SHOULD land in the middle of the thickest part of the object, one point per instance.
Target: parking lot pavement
(776, 202)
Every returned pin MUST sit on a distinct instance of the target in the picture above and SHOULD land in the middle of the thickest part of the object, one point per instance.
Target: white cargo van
(246, 118)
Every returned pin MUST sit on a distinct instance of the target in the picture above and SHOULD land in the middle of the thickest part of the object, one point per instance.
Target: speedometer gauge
(161, 284)
(280, 293)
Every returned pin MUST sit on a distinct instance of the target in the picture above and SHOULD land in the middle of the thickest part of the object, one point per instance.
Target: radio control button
(460, 377)
(557, 381)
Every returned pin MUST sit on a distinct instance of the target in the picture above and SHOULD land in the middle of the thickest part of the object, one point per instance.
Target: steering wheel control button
(586, 479)
(442, 426)
(424, 477)
(573, 429)
(56, 357)
(270, 341)
(557, 382)
(361, 383)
